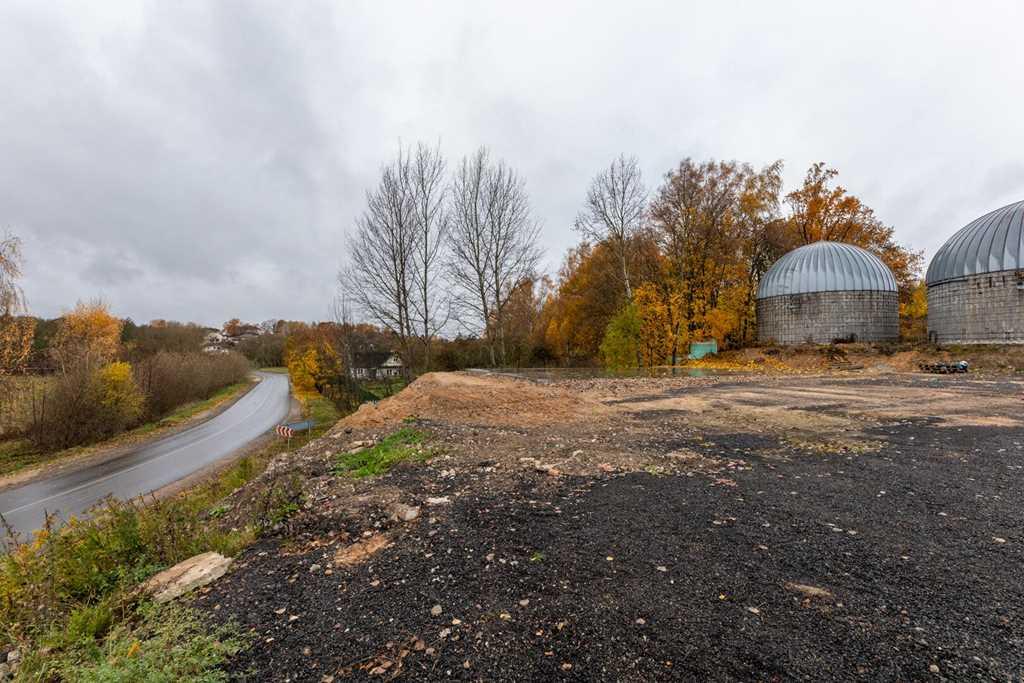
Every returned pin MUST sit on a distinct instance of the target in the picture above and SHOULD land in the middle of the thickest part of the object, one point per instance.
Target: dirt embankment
(988, 360)
(850, 526)
(471, 399)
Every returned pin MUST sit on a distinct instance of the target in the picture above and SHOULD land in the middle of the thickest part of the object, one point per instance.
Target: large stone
(401, 512)
(186, 576)
(360, 551)
(809, 591)
(357, 446)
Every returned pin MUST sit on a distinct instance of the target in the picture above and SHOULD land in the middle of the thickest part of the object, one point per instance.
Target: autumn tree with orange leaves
(823, 210)
(713, 221)
(89, 336)
(708, 235)
(589, 294)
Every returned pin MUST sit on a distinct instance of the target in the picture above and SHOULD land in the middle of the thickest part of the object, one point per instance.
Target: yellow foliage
(821, 210)
(658, 308)
(917, 306)
(16, 334)
(311, 359)
(303, 369)
(118, 392)
(89, 335)
(715, 229)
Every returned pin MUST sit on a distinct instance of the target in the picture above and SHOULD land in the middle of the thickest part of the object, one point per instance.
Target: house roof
(371, 359)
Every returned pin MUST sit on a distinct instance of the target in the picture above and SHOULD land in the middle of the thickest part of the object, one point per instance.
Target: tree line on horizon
(90, 375)
(438, 249)
(443, 267)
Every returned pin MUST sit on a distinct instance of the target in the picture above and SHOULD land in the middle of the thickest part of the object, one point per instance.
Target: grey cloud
(111, 270)
(203, 160)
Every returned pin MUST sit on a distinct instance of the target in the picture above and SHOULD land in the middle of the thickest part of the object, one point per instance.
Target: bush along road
(150, 466)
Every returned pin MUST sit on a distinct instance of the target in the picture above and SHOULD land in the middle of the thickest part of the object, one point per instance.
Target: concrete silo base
(823, 317)
(978, 309)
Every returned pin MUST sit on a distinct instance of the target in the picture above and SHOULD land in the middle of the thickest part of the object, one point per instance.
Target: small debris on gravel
(809, 591)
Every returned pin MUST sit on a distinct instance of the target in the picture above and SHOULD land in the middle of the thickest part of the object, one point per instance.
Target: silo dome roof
(826, 267)
(985, 245)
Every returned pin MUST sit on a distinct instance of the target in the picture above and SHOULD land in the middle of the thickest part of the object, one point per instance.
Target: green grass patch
(320, 410)
(276, 369)
(157, 643)
(405, 444)
(379, 390)
(190, 410)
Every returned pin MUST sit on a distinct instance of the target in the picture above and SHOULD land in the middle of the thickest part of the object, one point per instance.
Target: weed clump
(155, 643)
(71, 591)
(404, 444)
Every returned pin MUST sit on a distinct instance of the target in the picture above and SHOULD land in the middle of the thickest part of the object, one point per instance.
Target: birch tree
(398, 249)
(493, 244)
(614, 213)
(382, 251)
(429, 305)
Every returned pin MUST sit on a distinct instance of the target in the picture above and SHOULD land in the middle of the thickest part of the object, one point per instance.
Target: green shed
(700, 349)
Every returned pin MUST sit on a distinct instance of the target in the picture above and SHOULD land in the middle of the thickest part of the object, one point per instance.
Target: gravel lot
(803, 528)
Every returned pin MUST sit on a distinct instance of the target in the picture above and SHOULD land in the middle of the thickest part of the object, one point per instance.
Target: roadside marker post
(287, 431)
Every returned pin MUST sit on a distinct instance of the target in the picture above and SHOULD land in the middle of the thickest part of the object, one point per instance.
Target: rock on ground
(186, 576)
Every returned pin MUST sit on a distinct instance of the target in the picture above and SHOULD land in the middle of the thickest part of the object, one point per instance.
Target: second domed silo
(976, 282)
(825, 292)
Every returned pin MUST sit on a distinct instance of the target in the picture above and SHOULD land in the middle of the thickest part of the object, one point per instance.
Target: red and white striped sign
(289, 430)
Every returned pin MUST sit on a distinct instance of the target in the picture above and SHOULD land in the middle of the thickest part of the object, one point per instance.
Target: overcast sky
(201, 161)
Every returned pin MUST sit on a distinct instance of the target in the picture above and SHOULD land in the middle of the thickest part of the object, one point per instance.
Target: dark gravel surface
(643, 577)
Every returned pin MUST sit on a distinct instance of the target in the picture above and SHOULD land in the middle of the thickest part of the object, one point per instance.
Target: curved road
(150, 466)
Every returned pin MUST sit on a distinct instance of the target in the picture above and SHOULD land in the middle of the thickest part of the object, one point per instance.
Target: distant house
(232, 334)
(214, 343)
(377, 365)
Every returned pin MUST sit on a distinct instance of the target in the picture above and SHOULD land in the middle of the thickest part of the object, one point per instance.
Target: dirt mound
(476, 399)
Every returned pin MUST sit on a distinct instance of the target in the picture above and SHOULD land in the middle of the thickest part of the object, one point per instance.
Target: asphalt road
(153, 465)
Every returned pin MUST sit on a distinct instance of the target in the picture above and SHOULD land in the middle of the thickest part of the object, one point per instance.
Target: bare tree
(615, 211)
(381, 275)
(470, 256)
(430, 306)
(493, 244)
(341, 314)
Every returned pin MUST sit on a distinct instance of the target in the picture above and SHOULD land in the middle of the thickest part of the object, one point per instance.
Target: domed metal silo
(976, 282)
(828, 291)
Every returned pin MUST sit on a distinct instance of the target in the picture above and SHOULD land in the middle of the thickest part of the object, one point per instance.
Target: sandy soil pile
(472, 399)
